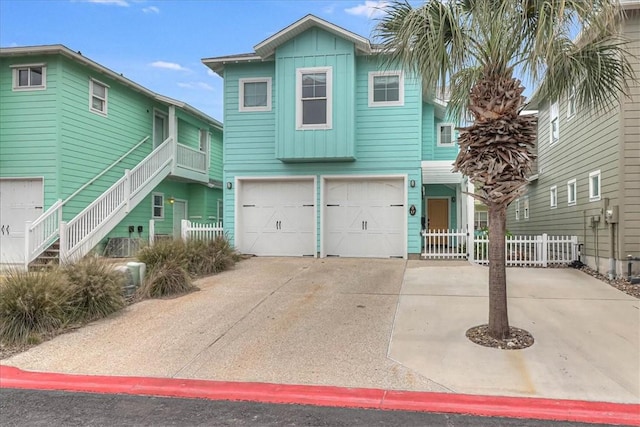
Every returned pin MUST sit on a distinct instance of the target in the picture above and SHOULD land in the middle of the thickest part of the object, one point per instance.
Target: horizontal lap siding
(91, 142)
(29, 125)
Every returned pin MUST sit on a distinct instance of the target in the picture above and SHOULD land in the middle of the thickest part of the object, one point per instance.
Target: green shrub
(162, 251)
(209, 257)
(224, 255)
(32, 304)
(95, 289)
(167, 279)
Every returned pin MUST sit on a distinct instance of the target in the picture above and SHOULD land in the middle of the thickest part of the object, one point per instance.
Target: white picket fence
(524, 251)
(194, 231)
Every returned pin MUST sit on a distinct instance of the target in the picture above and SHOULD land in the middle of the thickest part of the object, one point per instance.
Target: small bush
(162, 251)
(209, 257)
(96, 289)
(32, 304)
(224, 255)
(167, 279)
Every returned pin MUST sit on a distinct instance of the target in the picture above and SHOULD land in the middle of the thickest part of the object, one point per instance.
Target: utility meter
(611, 215)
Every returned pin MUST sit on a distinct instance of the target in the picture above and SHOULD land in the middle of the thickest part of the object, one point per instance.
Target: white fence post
(471, 241)
(27, 244)
(152, 231)
(185, 225)
(545, 249)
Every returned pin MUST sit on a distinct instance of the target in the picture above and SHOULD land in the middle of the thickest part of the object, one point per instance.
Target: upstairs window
(525, 208)
(314, 98)
(553, 196)
(594, 186)
(255, 94)
(98, 97)
(554, 124)
(446, 135)
(157, 209)
(386, 89)
(517, 209)
(30, 77)
(571, 192)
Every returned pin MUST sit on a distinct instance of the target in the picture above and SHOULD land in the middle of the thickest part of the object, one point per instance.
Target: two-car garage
(353, 216)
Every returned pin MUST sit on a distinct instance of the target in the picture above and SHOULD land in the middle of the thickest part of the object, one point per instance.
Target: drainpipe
(612, 255)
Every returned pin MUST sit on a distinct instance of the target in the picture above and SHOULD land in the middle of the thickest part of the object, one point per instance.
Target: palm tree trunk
(498, 317)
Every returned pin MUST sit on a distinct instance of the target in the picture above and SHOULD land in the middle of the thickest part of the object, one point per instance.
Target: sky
(159, 44)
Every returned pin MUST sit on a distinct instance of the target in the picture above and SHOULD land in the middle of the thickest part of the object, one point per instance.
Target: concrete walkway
(383, 324)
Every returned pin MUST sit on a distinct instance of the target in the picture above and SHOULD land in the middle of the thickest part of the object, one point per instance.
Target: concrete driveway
(388, 324)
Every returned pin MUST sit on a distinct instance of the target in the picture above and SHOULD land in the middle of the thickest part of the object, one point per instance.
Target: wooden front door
(437, 219)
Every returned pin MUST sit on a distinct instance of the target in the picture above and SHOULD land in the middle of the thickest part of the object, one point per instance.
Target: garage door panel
(277, 218)
(21, 200)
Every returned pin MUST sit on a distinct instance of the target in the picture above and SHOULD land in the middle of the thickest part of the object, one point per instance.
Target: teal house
(330, 152)
(89, 158)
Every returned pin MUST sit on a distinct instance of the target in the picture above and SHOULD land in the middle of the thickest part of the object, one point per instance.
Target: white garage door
(20, 201)
(365, 217)
(277, 218)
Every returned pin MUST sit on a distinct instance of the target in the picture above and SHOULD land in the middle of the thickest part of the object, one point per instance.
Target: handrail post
(127, 188)
(63, 242)
(27, 243)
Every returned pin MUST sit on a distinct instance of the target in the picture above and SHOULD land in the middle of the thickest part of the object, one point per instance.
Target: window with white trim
(553, 196)
(554, 123)
(525, 207)
(98, 96)
(571, 102)
(572, 188)
(446, 135)
(386, 88)
(157, 208)
(517, 209)
(594, 186)
(481, 220)
(255, 94)
(314, 98)
(29, 77)
(204, 140)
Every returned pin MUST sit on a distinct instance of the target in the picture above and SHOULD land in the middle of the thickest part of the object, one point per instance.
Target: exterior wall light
(229, 185)
(412, 183)
(171, 200)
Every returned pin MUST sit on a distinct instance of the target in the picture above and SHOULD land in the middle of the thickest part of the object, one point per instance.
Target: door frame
(165, 129)
(324, 189)
(426, 208)
(173, 213)
(237, 190)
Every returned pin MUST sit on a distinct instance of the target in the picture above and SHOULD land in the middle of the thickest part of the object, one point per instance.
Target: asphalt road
(54, 408)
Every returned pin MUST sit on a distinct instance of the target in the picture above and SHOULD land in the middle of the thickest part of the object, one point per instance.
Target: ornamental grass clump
(32, 305)
(166, 279)
(162, 251)
(95, 289)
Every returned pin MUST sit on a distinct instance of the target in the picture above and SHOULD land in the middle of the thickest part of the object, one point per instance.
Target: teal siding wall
(387, 140)
(29, 127)
(430, 149)
(215, 157)
(443, 153)
(315, 48)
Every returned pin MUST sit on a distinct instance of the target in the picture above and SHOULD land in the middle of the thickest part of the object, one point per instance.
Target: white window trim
(399, 102)
(153, 205)
(329, 73)
(571, 103)
(517, 209)
(553, 196)
(14, 72)
(106, 97)
(453, 139)
(525, 208)
(593, 198)
(554, 116)
(241, 106)
(572, 183)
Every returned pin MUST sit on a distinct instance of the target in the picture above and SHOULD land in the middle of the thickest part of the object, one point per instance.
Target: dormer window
(386, 89)
(314, 98)
(29, 77)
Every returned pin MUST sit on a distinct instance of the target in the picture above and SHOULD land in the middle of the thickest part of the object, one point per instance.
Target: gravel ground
(621, 284)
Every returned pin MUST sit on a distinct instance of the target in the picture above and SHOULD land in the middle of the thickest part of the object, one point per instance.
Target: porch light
(229, 185)
(171, 200)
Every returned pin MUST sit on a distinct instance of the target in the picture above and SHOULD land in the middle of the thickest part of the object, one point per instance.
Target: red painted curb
(495, 406)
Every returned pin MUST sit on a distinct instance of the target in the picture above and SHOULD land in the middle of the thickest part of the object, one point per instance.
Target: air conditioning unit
(122, 247)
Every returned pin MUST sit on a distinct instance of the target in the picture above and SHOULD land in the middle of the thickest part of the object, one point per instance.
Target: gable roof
(59, 49)
(265, 50)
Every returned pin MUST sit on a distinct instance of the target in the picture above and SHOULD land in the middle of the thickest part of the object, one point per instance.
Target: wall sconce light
(171, 200)
(453, 200)
(229, 185)
(412, 183)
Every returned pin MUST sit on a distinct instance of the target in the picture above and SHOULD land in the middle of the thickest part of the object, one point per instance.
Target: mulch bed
(518, 338)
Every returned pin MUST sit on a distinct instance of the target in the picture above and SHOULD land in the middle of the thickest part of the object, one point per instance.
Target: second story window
(571, 192)
(255, 94)
(554, 123)
(313, 96)
(446, 135)
(98, 97)
(553, 196)
(594, 186)
(157, 208)
(386, 89)
(525, 202)
(29, 77)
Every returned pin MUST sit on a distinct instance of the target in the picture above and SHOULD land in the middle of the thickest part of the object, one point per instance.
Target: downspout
(612, 254)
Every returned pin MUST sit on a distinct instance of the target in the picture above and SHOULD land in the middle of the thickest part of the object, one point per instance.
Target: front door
(437, 218)
(20, 201)
(179, 213)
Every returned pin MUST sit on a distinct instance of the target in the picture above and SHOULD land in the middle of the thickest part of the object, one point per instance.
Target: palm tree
(476, 48)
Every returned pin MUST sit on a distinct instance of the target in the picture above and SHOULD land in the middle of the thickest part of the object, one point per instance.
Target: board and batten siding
(387, 140)
(29, 125)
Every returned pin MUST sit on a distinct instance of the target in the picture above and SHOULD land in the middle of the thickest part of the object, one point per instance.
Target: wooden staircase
(48, 259)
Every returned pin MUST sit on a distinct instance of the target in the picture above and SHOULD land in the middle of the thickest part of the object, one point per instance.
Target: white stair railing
(42, 232)
(85, 230)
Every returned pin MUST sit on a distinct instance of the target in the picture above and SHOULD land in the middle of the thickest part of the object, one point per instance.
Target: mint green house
(88, 156)
(328, 152)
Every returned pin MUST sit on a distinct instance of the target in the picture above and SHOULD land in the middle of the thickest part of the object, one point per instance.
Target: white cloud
(151, 9)
(168, 66)
(370, 9)
(196, 85)
(124, 3)
(211, 72)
